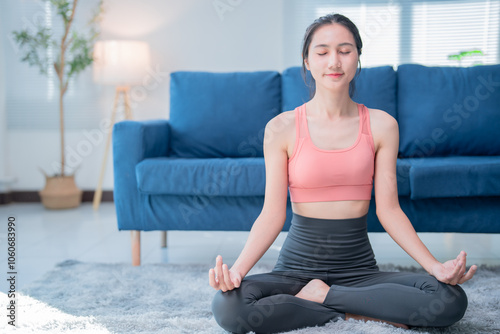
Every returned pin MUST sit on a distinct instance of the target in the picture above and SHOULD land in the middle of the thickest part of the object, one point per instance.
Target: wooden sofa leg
(163, 239)
(136, 248)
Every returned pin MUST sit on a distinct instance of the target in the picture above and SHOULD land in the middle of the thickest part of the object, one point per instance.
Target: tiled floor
(45, 238)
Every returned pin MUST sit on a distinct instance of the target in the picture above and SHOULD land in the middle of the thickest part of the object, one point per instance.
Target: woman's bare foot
(316, 291)
(359, 317)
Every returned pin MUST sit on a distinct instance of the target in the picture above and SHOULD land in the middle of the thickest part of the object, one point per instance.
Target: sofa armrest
(134, 141)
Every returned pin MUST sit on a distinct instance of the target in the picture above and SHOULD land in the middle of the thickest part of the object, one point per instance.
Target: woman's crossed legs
(267, 303)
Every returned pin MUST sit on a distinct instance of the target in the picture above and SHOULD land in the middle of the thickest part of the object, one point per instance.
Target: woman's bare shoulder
(283, 123)
(381, 120)
(282, 120)
(385, 129)
(281, 129)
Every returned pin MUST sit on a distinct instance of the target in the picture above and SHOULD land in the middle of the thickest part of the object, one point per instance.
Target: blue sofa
(203, 168)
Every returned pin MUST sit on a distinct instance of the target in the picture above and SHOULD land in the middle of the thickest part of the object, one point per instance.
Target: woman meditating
(329, 152)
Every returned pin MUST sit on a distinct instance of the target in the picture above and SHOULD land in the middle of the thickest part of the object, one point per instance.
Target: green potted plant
(467, 54)
(73, 54)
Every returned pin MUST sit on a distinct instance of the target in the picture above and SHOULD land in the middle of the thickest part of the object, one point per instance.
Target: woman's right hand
(221, 278)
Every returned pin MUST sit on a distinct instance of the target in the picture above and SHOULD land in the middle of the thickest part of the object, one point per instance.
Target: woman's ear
(307, 64)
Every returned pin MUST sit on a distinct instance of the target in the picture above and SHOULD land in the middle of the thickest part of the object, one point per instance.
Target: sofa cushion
(220, 176)
(454, 177)
(205, 177)
(445, 111)
(215, 115)
(375, 88)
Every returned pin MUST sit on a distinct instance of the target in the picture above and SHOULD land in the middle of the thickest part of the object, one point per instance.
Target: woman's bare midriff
(332, 210)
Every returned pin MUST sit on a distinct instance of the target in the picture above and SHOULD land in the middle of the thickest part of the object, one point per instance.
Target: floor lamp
(122, 64)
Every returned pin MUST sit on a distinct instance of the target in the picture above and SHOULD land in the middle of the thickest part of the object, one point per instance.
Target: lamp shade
(120, 62)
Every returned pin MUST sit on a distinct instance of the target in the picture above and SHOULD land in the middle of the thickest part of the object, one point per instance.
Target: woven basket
(61, 192)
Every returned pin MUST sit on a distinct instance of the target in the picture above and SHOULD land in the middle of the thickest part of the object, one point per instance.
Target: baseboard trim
(34, 197)
(5, 198)
(88, 196)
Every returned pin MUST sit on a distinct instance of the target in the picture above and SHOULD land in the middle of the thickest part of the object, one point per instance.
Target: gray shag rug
(80, 297)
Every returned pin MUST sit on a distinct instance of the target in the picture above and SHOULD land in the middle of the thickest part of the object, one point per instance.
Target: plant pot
(60, 192)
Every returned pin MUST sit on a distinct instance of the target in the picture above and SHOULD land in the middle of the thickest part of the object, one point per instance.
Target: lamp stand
(121, 92)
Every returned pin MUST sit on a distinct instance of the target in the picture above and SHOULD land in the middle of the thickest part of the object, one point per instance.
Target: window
(444, 28)
(375, 22)
(400, 31)
(32, 99)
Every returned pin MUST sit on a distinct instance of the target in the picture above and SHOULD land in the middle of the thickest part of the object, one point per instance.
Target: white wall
(4, 182)
(183, 35)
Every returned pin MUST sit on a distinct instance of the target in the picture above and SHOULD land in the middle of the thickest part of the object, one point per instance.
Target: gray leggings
(337, 252)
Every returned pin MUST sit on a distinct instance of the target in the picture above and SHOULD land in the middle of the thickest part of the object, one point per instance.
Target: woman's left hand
(454, 271)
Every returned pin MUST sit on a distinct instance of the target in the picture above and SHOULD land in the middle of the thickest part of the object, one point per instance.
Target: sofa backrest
(375, 88)
(215, 115)
(442, 111)
(449, 111)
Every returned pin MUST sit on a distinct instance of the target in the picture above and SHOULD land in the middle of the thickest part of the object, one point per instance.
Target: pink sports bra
(317, 175)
